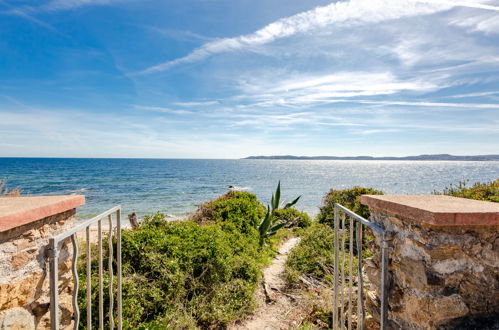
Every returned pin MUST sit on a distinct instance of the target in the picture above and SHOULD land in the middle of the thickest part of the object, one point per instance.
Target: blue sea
(177, 186)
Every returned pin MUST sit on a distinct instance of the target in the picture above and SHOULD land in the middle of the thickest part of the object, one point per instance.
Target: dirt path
(277, 309)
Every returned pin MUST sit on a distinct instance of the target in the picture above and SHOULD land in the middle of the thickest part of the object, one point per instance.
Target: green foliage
(349, 198)
(201, 276)
(488, 191)
(293, 217)
(189, 274)
(240, 208)
(314, 256)
(271, 223)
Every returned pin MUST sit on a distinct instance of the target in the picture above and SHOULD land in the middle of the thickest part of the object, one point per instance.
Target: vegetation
(271, 223)
(200, 273)
(5, 192)
(314, 255)
(293, 217)
(349, 198)
(237, 208)
(488, 191)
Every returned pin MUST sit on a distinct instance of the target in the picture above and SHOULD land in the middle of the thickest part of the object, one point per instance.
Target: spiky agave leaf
(292, 203)
(277, 197)
(277, 227)
(267, 221)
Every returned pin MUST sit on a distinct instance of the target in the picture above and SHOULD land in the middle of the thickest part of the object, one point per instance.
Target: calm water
(176, 186)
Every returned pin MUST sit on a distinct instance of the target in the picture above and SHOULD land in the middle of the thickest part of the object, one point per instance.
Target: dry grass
(6, 192)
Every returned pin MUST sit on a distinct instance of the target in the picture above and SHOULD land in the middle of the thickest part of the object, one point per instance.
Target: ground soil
(278, 308)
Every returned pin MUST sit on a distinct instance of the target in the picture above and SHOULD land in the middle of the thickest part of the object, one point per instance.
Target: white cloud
(480, 94)
(195, 104)
(484, 22)
(59, 5)
(161, 109)
(353, 11)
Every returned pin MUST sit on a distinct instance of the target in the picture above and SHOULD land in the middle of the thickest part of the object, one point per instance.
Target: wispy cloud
(59, 5)
(195, 104)
(345, 12)
(480, 94)
(161, 109)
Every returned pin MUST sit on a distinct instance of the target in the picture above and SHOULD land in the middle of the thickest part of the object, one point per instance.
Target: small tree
(271, 223)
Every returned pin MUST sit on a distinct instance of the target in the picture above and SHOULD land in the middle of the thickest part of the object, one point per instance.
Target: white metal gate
(347, 248)
(53, 250)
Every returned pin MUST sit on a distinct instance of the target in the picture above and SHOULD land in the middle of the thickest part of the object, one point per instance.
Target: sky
(230, 79)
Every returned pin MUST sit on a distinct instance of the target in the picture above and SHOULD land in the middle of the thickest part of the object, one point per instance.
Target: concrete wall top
(437, 210)
(18, 211)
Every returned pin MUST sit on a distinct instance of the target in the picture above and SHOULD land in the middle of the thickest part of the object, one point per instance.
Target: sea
(177, 186)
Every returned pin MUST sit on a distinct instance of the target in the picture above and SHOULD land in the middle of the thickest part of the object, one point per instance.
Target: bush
(314, 256)
(293, 217)
(488, 191)
(202, 275)
(239, 208)
(349, 198)
(190, 274)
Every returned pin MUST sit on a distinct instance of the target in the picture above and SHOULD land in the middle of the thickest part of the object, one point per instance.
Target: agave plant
(270, 223)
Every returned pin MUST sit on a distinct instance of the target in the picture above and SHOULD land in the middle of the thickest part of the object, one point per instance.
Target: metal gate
(348, 251)
(53, 250)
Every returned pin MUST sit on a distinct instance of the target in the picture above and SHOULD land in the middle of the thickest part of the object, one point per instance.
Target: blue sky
(229, 79)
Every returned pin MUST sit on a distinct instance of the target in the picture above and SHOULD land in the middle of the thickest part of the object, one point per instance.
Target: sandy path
(281, 311)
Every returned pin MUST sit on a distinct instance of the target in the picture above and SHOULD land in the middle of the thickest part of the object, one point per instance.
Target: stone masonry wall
(24, 280)
(440, 277)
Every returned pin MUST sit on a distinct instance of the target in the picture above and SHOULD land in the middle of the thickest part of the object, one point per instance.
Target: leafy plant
(239, 209)
(349, 198)
(488, 191)
(271, 223)
(189, 274)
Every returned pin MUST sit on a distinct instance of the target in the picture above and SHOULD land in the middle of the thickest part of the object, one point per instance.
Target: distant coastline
(420, 157)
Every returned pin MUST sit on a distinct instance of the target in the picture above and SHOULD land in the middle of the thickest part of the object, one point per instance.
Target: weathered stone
(438, 275)
(412, 273)
(16, 318)
(20, 260)
(24, 281)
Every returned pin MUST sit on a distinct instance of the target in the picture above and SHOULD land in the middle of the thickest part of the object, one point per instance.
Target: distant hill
(420, 157)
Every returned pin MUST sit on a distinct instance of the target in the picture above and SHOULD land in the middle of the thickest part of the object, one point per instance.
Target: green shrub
(195, 275)
(293, 217)
(349, 198)
(236, 207)
(488, 191)
(314, 255)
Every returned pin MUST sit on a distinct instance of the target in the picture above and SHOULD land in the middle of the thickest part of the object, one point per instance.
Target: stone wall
(441, 276)
(24, 266)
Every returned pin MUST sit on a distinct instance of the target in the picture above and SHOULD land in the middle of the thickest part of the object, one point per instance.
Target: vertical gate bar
(350, 272)
(110, 266)
(342, 268)
(384, 281)
(74, 242)
(101, 292)
(336, 246)
(360, 304)
(54, 285)
(89, 280)
(118, 252)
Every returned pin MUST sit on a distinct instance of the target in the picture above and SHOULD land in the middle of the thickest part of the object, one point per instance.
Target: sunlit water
(176, 186)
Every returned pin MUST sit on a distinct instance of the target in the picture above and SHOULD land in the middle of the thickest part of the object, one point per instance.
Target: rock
(16, 318)
(437, 275)
(20, 260)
